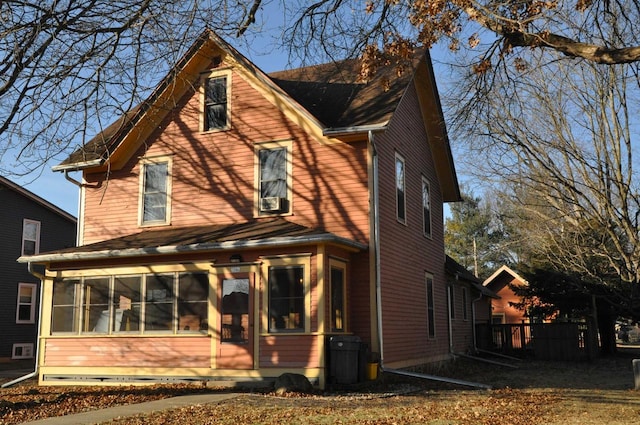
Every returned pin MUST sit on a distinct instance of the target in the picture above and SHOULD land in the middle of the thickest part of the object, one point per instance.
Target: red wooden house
(235, 221)
(502, 282)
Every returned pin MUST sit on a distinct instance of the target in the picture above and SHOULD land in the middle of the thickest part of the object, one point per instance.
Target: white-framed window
(426, 207)
(22, 351)
(30, 237)
(401, 195)
(155, 191)
(431, 315)
(26, 307)
(171, 302)
(338, 295)
(287, 296)
(273, 178)
(215, 95)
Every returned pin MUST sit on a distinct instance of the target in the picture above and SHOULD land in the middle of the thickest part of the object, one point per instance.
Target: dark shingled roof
(330, 92)
(199, 238)
(455, 268)
(334, 95)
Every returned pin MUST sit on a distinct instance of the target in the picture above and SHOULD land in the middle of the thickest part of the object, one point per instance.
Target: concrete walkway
(104, 415)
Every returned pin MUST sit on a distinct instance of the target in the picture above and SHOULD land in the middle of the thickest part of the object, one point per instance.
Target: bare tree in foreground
(69, 68)
(562, 141)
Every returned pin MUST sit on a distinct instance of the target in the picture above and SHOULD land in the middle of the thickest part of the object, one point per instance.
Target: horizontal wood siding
(133, 352)
(213, 173)
(406, 254)
(289, 351)
(462, 329)
(483, 310)
(359, 298)
(504, 305)
(56, 232)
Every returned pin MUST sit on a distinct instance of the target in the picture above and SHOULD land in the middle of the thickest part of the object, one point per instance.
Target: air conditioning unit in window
(271, 204)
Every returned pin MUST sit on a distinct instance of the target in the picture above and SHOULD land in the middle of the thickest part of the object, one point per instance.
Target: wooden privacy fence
(543, 341)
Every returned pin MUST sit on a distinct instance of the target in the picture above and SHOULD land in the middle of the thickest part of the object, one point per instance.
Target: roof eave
(191, 248)
(349, 131)
(77, 166)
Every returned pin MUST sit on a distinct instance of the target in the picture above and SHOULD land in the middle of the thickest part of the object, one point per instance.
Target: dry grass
(536, 393)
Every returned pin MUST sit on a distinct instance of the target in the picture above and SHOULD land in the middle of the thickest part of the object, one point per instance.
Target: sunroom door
(236, 324)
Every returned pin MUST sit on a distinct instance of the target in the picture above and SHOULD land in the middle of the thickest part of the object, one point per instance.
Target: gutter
(77, 166)
(473, 320)
(37, 352)
(199, 247)
(346, 131)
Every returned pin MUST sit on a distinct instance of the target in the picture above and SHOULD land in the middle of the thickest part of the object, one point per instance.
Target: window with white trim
(401, 201)
(26, 307)
(273, 178)
(155, 190)
(22, 351)
(172, 302)
(426, 207)
(30, 237)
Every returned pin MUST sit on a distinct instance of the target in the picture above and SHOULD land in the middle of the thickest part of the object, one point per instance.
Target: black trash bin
(344, 353)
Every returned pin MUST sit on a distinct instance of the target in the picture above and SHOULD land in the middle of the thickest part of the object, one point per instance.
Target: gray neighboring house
(28, 225)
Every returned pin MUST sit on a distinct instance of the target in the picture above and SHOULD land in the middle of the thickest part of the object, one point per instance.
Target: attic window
(215, 110)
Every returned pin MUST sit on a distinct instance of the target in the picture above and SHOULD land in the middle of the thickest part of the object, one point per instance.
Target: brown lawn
(599, 392)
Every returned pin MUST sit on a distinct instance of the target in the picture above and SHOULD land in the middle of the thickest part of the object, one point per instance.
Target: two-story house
(235, 221)
(28, 225)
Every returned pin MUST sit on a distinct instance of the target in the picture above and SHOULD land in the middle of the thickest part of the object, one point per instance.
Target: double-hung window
(155, 188)
(431, 316)
(215, 103)
(26, 308)
(30, 237)
(401, 202)
(215, 95)
(426, 207)
(273, 178)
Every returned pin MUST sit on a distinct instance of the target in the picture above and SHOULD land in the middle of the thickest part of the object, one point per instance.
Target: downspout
(80, 187)
(473, 321)
(376, 247)
(37, 352)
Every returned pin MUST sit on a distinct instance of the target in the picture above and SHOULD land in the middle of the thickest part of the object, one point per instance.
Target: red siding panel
(132, 352)
(213, 173)
(406, 254)
(289, 351)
